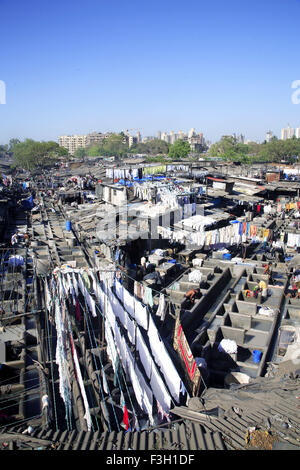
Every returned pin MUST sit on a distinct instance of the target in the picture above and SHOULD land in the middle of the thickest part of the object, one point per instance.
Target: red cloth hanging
(125, 418)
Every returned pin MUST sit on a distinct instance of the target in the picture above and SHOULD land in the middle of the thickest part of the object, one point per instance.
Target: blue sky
(75, 66)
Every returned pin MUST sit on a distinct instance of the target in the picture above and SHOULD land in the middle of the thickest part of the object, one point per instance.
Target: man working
(292, 291)
(192, 294)
(14, 239)
(263, 288)
(153, 194)
(269, 272)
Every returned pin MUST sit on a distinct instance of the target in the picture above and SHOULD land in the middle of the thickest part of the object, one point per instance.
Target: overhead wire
(21, 421)
(116, 371)
(91, 331)
(122, 373)
(155, 363)
(96, 368)
(90, 328)
(84, 309)
(21, 393)
(67, 405)
(51, 361)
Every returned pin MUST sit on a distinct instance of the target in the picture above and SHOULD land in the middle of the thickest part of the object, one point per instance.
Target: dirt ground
(260, 440)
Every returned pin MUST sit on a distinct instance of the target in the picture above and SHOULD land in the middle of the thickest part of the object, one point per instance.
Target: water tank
(256, 356)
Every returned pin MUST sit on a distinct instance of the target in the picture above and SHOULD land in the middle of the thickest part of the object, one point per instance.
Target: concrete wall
(114, 195)
(195, 316)
(240, 320)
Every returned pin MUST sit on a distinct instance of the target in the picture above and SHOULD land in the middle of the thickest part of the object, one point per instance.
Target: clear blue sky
(75, 66)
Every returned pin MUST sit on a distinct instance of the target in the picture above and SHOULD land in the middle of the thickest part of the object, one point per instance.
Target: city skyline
(74, 141)
(71, 68)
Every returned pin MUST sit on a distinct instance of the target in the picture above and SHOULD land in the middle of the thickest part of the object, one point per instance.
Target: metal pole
(15, 317)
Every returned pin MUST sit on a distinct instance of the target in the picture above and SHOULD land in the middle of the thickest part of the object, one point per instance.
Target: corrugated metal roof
(269, 404)
(186, 436)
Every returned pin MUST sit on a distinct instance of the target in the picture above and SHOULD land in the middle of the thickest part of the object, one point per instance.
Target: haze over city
(76, 67)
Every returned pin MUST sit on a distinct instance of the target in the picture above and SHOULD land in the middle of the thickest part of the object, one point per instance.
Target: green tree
(114, 145)
(31, 154)
(274, 151)
(180, 149)
(277, 150)
(12, 143)
(81, 152)
(152, 147)
(3, 151)
(228, 148)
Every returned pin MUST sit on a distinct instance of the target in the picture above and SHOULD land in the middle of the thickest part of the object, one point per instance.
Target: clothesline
(123, 273)
(109, 295)
(234, 233)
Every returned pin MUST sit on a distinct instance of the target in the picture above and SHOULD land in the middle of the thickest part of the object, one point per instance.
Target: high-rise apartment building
(196, 142)
(132, 140)
(181, 135)
(173, 137)
(297, 133)
(148, 138)
(94, 138)
(287, 132)
(269, 136)
(191, 133)
(72, 142)
(165, 137)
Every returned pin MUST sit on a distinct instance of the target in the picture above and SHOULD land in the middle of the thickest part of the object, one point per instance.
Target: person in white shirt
(14, 238)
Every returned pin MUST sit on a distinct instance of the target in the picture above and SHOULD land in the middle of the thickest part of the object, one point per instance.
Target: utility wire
(51, 361)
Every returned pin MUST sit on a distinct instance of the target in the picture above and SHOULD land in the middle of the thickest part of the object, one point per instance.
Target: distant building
(191, 133)
(196, 142)
(132, 140)
(287, 133)
(238, 138)
(269, 136)
(181, 135)
(94, 138)
(173, 137)
(72, 142)
(228, 136)
(297, 133)
(147, 138)
(165, 137)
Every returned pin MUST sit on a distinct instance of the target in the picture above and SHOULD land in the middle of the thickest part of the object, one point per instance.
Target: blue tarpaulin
(27, 203)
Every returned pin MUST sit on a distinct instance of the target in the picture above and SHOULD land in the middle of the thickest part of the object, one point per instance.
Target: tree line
(31, 154)
(229, 149)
